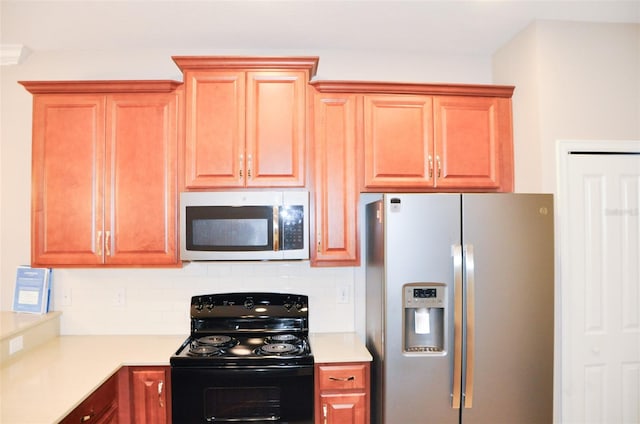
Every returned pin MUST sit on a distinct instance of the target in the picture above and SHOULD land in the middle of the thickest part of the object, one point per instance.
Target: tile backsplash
(156, 301)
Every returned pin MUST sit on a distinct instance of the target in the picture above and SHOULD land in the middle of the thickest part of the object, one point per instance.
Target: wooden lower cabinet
(101, 407)
(342, 393)
(133, 395)
(145, 394)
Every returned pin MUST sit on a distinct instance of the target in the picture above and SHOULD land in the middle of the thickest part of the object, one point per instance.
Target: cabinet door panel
(336, 183)
(397, 141)
(344, 408)
(467, 142)
(68, 161)
(141, 176)
(215, 132)
(276, 130)
(149, 399)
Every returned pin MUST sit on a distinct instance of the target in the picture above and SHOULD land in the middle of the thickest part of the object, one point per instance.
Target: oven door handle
(273, 418)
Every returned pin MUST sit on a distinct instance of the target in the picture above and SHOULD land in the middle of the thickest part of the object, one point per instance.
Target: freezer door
(420, 232)
(509, 267)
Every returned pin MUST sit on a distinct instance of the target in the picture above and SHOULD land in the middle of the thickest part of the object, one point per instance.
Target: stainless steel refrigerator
(459, 309)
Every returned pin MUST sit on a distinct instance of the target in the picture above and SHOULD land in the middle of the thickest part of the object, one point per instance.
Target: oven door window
(242, 395)
(228, 228)
(257, 404)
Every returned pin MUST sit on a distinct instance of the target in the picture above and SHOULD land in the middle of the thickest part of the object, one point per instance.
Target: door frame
(562, 292)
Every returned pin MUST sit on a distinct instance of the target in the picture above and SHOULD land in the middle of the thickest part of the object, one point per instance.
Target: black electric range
(247, 359)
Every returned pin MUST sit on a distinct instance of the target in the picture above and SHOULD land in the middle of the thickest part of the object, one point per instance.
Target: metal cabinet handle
(249, 165)
(99, 243)
(439, 166)
(430, 166)
(107, 243)
(350, 378)
(160, 387)
(241, 165)
(324, 412)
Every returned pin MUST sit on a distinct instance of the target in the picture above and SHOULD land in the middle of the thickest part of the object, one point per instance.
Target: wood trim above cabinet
(100, 87)
(247, 63)
(377, 87)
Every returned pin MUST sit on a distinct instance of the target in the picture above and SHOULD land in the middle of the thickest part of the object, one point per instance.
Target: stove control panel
(236, 305)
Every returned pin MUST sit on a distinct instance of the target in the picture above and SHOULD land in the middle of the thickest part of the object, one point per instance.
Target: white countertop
(48, 382)
(12, 323)
(338, 347)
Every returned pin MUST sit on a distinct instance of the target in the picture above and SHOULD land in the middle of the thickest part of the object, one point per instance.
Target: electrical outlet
(342, 292)
(65, 299)
(15, 345)
(119, 297)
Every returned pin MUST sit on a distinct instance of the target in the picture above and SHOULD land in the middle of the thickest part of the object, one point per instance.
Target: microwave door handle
(276, 228)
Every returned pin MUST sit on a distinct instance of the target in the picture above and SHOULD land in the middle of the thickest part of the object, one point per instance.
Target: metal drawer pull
(350, 378)
(86, 418)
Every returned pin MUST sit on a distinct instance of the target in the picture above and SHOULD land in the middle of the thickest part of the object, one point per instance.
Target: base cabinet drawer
(342, 393)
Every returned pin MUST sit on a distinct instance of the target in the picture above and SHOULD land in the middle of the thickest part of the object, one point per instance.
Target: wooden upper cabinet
(104, 180)
(141, 176)
(398, 141)
(470, 136)
(246, 121)
(67, 203)
(335, 240)
(432, 137)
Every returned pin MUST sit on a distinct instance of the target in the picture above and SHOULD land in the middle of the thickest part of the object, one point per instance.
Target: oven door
(242, 395)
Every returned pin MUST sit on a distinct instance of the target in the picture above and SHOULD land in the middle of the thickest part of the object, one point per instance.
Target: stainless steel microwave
(243, 225)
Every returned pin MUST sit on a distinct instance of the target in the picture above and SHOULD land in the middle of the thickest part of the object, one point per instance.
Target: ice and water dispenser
(424, 307)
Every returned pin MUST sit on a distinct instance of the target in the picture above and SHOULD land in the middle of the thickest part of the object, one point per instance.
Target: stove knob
(287, 304)
(210, 306)
(199, 306)
(249, 304)
(299, 305)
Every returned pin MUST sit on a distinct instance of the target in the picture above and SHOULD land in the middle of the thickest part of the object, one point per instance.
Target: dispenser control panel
(424, 297)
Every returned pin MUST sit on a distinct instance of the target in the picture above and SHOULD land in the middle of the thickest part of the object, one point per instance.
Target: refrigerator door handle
(456, 392)
(469, 266)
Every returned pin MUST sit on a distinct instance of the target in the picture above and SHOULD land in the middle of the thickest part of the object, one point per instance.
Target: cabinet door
(141, 189)
(67, 179)
(150, 401)
(335, 183)
(469, 134)
(215, 129)
(398, 140)
(343, 408)
(276, 128)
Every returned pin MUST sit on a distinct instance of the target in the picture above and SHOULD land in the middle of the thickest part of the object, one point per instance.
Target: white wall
(573, 81)
(578, 81)
(156, 300)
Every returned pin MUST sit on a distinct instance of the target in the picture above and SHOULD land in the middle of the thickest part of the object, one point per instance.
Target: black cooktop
(247, 329)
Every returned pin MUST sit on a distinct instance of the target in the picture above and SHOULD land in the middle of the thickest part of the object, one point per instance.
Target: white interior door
(600, 341)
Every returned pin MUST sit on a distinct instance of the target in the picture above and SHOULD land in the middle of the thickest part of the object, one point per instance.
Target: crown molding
(12, 54)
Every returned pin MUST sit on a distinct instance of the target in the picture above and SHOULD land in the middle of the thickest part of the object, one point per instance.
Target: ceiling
(459, 27)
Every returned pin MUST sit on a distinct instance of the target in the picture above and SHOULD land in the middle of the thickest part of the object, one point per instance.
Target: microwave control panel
(292, 227)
